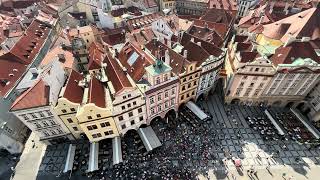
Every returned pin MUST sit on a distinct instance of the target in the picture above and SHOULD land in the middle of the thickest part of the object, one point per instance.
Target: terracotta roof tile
(96, 56)
(220, 28)
(177, 61)
(285, 55)
(73, 92)
(11, 69)
(303, 24)
(96, 93)
(135, 70)
(247, 56)
(31, 42)
(35, 96)
(218, 16)
(115, 74)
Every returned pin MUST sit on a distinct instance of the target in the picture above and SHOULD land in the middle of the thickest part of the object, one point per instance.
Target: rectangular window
(152, 100)
(94, 127)
(41, 114)
(132, 122)
(123, 126)
(159, 108)
(134, 103)
(33, 115)
(124, 97)
(129, 105)
(120, 118)
(159, 97)
(89, 128)
(166, 94)
(110, 132)
(52, 122)
(69, 120)
(99, 135)
(173, 91)
(140, 110)
(24, 116)
(182, 97)
(72, 109)
(130, 114)
(94, 136)
(64, 111)
(98, 115)
(89, 117)
(141, 118)
(106, 133)
(123, 107)
(129, 95)
(75, 128)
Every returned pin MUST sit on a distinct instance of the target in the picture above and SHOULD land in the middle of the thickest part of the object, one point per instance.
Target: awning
(149, 138)
(196, 110)
(70, 158)
(116, 150)
(306, 123)
(93, 157)
(276, 125)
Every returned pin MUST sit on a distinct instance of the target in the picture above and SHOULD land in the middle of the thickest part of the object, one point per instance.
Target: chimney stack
(199, 43)
(167, 57)
(185, 53)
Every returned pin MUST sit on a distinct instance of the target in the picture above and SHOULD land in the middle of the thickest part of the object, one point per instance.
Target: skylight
(132, 59)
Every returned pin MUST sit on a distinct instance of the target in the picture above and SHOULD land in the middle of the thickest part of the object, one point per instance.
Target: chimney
(192, 39)
(199, 43)
(167, 57)
(185, 53)
(286, 8)
(61, 57)
(271, 6)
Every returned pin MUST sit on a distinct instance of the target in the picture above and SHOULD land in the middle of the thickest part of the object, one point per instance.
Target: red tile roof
(115, 74)
(142, 21)
(206, 35)
(73, 92)
(177, 62)
(96, 93)
(303, 24)
(220, 28)
(218, 16)
(113, 36)
(247, 56)
(150, 3)
(31, 42)
(96, 56)
(286, 55)
(35, 96)
(136, 70)
(224, 4)
(11, 69)
(207, 46)
(141, 36)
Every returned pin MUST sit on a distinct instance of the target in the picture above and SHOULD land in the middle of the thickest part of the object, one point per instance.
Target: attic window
(300, 16)
(26, 55)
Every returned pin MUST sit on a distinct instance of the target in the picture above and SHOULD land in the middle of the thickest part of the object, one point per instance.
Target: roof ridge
(113, 67)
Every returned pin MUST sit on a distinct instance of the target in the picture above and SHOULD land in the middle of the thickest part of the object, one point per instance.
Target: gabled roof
(35, 96)
(286, 55)
(11, 69)
(206, 35)
(207, 46)
(73, 92)
(96, 56)
(177, 62)
(96, 93)
(218, 16)
(141, 36)
(115, 74)
(248, 56)
(31, 42)
(219, 28)
(303, 24)
(136, 69)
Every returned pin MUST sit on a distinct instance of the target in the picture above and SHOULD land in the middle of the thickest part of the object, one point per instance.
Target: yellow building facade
(97, 123)
(67, 111)
(189, 81)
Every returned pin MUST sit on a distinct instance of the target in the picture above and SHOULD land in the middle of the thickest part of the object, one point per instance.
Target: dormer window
(158, 80)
